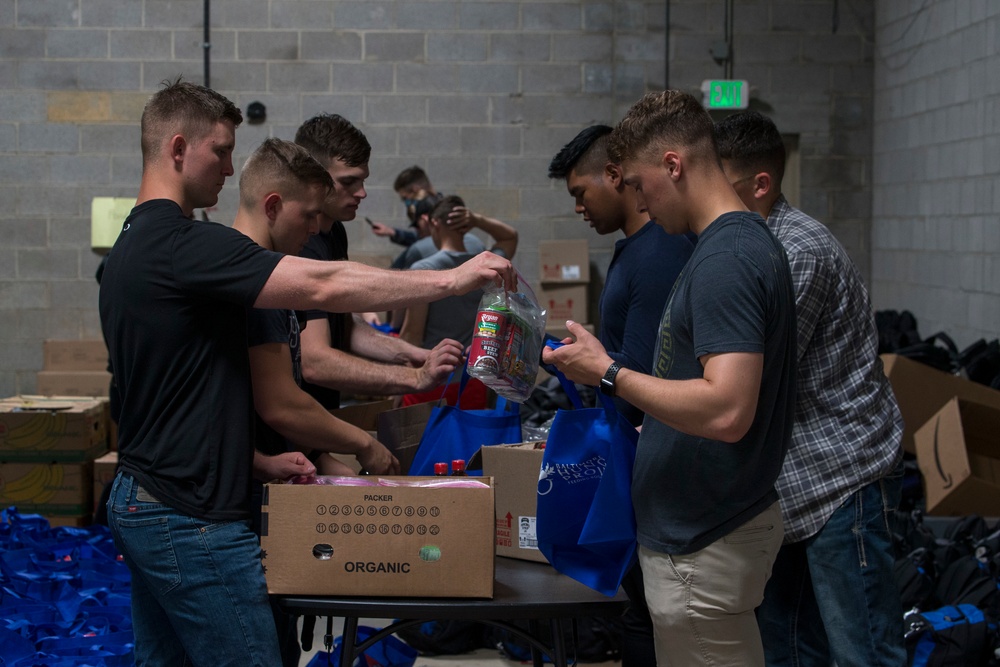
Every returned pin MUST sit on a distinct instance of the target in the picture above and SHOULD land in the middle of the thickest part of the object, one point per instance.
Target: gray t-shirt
(734, 295)
(425, 247)
(452, 316)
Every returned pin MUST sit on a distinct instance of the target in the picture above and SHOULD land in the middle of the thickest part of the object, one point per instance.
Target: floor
(481, 658)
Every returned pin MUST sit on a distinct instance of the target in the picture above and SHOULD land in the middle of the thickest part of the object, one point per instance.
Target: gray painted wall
(936, 232)
(481, 93)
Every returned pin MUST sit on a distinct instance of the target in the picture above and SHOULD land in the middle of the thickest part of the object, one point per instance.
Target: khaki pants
(702, 604)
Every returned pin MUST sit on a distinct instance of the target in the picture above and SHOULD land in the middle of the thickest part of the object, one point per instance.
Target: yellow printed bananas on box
(41, 432)
(28, 488)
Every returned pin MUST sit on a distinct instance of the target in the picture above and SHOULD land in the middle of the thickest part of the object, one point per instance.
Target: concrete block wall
(936, 217)
(480, 93)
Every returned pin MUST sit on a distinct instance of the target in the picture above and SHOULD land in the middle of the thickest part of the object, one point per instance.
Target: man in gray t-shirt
(452, 317)
(719, 403)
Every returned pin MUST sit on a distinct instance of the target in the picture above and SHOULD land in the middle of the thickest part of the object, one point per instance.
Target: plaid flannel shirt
(848, 428)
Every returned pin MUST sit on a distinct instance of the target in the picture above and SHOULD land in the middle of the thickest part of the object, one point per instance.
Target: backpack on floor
(596, 640)
(953, 636)
(446, 637)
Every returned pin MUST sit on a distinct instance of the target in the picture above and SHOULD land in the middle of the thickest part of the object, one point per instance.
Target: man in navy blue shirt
(639, 279)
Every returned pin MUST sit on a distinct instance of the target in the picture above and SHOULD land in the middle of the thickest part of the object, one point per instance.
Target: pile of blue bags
(64, 596)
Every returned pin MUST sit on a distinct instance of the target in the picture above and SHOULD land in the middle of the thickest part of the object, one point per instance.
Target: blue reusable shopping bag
(387, 652)
(453, 433)
(585, 520)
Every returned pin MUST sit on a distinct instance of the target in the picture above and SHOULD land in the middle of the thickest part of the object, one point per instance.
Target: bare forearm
(305, 423)
(371, 344)
(690, 406)
(348, 287)
(346, 372)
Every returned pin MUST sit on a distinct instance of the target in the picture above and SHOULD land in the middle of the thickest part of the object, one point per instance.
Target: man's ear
(178, 147)
(613, 172)
(763, 184)
(673, 163)
(272, 205)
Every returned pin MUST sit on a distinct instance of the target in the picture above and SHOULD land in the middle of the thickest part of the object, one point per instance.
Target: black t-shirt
(329, 246)
(173, 303)
(275, 326)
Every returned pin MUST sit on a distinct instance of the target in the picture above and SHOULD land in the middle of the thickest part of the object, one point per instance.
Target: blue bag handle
(501, 405)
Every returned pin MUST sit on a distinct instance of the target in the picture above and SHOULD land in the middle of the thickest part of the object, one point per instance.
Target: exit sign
(725, 94)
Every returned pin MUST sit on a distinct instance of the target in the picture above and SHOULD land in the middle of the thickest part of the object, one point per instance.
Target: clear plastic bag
(507, 341)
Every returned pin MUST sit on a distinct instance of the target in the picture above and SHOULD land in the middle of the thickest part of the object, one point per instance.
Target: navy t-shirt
(173, 302)
(641, 274)
(266, 326)
(734, 295)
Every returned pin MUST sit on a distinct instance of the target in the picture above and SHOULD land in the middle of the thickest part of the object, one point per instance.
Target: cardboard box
(402, 429)
(564, 302)
(73, 383)
(57, 489)
(57, 428)
(75, 355)
(564, 261)
(921, 391)
(105, 469)
(514, 469)
(958, 452)
(383, 541)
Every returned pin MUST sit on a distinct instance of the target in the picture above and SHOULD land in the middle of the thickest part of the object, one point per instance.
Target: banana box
(60, 489)
(57, 428)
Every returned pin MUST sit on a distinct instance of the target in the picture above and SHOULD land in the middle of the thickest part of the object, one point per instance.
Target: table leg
(558, 643)
(349, 638)
(537, 659)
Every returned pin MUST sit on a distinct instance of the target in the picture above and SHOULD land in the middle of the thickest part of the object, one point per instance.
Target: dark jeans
(833, 596)
(638, 649)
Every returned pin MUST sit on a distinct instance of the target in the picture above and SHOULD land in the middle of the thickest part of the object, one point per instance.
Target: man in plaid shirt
(832, 595)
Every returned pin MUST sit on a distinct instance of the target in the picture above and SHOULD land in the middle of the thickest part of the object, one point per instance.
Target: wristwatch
(608, 381)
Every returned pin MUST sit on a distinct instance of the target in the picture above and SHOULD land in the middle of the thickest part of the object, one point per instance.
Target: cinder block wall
(480, 93)
(936, 240)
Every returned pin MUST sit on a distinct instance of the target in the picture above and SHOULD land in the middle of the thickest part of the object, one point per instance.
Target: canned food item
(486, 351)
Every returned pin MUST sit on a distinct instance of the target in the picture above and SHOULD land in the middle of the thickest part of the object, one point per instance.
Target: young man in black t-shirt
(340, 352)
(719, 402)
(173, 302)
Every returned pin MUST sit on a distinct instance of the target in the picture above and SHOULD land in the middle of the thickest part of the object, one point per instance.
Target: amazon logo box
(958, 451)
(392, 537)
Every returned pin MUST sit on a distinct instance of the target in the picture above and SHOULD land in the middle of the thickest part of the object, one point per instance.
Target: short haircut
(587, 153)
(750, 141)
(668, 120)
(182, 108)
(412, 176)
(330, 137)
(444, 207)
(280, 166)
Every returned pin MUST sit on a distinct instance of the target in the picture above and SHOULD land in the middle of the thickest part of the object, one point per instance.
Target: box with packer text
(380, 541)
(46, 429)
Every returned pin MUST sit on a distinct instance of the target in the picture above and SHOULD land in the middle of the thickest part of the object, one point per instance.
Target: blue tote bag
(453, 433)
(585, 520)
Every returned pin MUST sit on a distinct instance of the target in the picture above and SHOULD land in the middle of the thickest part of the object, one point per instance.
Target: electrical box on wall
(725, 94)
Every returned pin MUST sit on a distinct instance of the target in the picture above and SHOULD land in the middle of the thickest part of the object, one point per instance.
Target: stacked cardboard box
(74, 368)
(564, 268)
(47, 451)
(951, 425)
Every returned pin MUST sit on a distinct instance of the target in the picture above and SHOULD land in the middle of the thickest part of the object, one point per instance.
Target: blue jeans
(198, 590)
(833, 596)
